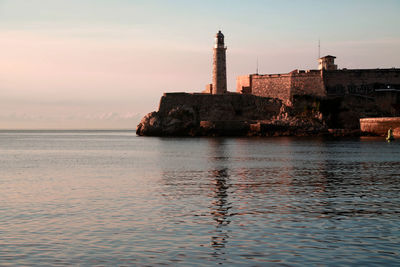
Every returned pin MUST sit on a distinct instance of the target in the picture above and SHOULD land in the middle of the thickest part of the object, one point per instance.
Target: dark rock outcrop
(183, 114)
(180, 121)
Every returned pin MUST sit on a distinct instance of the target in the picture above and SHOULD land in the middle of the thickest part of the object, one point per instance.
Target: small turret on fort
(327, 63)
(219, 65)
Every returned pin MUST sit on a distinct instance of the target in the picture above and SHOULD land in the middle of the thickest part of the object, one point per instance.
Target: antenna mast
(257, 66)
(319, 48)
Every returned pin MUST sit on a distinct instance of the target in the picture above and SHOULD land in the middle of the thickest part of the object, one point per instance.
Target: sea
(111, 198)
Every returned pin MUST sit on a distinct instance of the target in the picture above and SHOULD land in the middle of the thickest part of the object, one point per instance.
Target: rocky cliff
(182, 114)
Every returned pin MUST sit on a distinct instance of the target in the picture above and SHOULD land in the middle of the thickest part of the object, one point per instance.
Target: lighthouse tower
(219, 65)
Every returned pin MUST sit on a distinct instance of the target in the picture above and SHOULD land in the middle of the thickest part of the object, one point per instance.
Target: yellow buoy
(390, 136)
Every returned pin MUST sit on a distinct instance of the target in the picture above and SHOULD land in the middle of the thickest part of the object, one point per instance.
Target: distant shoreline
(67, 130)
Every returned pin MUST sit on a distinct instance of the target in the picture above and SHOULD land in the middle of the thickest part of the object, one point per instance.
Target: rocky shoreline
(184, 114)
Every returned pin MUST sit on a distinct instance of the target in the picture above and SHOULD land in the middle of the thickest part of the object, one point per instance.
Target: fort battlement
(282, 86)
(320, 83)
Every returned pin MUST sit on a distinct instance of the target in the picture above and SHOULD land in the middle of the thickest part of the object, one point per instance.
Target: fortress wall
(232, 106)
(309, 83)
(388, 101)
(275, 86)
(243, 84)
(380, 126)
(361, 82)
(282, 86)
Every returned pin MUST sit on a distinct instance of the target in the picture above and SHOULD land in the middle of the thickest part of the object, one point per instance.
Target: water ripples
(110, 198)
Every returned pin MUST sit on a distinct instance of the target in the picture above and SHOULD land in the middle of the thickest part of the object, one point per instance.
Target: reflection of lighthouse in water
(220, 204)
(220, 208)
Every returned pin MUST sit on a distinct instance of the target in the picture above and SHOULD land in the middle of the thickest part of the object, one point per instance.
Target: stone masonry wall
(282, 86)
(222, 107)
(242, 83)
(219, 71)
(275, 86)
(360, 82)
(307, 83)
(328, 83)
(380, 126)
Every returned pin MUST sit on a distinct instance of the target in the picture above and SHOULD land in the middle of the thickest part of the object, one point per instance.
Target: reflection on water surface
(111, 198)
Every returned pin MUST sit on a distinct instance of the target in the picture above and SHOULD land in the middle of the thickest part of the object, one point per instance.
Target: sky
(103, 64)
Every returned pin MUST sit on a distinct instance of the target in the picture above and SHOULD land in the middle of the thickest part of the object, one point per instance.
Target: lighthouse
(219, 65)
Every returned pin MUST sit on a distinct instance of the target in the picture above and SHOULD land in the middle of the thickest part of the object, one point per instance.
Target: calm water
(111, 198)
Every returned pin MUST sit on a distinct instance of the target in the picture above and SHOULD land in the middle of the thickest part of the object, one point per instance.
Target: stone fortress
(327, 81)
(296, 103)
